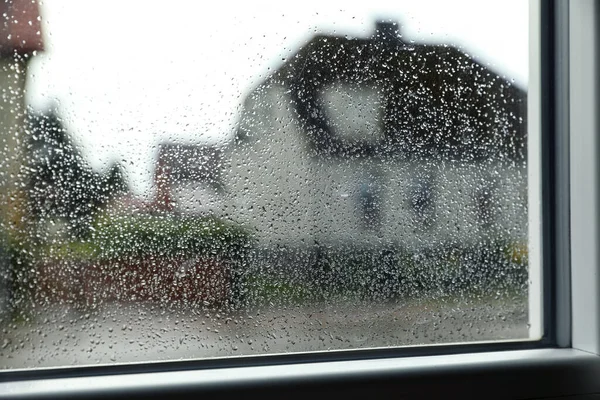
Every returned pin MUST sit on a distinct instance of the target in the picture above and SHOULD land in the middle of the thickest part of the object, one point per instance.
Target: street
(60, 336)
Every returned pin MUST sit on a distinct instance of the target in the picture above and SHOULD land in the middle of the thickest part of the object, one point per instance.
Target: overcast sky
(128, 74)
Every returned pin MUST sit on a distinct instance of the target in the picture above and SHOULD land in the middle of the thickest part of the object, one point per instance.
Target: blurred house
(188, 179)
(380, 142)
(20, 39)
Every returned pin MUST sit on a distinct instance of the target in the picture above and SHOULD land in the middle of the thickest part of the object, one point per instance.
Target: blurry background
(180, 181)
(128, 75)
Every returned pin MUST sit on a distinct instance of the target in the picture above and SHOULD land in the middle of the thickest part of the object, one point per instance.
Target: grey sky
(129, 74)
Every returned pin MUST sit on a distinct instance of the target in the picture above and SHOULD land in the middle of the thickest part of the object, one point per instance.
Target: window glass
(185, 182)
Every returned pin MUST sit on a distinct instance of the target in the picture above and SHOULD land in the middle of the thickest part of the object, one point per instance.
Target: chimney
(387, 31)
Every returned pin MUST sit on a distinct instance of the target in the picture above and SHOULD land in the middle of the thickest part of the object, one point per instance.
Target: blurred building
(188, 179)
(20, 39)
(379, 141)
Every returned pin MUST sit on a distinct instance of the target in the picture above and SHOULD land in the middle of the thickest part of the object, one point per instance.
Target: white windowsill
(516, 374)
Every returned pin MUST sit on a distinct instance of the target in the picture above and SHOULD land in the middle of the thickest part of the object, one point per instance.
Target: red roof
(20, 27)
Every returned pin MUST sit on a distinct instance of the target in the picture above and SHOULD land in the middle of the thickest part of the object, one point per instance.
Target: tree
(60, 183)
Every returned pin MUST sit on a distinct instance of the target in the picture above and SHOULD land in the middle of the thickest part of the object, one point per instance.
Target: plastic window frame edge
(585, 201)
(563, 109)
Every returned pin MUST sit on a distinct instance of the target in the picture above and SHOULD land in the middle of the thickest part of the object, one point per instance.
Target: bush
(147, 257)
(388, 273)
(143, 235)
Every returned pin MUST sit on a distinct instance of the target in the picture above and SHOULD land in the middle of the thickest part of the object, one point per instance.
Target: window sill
(506, 374)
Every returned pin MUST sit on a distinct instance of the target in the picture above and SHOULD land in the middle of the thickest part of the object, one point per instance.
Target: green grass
(263, 290)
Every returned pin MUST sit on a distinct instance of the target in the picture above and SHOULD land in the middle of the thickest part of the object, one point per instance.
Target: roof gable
(438, 102)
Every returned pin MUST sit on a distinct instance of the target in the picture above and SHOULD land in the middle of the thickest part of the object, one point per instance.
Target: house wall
(13, 217)
(454, 218)
(268, 182)
(195, 198)
(12, 117)
(291, 196)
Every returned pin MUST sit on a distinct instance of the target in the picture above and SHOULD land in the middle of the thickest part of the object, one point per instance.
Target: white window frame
(563, 104)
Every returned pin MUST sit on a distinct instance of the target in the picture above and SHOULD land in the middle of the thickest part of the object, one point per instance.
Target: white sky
(129, 74)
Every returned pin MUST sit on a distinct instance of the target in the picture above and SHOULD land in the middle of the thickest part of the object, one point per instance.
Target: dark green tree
(60, 183)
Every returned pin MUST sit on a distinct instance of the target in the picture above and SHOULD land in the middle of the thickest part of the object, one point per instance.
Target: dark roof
(438, 102)
(20, 27)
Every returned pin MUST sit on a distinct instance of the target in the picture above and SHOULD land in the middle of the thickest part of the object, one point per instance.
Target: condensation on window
(180, 182)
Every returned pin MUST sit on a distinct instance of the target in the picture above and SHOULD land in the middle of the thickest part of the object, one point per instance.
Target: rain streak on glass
(196, 183)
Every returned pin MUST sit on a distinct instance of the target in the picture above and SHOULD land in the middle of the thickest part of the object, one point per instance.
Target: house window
(486, 204)
(483, 199)
(280, 182)
(354, 112)
(562, 178)
(369, 202)
(422, 200)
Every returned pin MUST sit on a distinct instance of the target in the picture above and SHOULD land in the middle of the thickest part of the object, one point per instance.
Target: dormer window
(354, 112)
